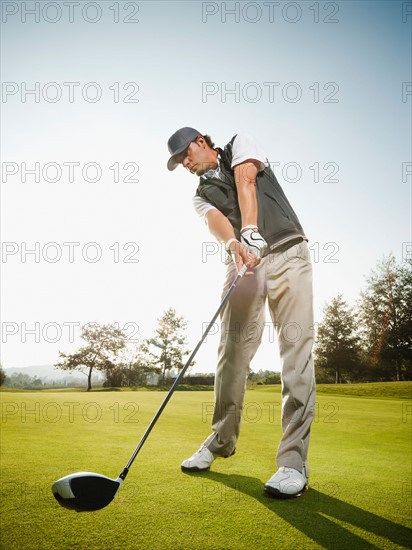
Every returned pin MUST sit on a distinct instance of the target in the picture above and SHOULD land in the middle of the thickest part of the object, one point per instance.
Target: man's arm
(245, 179)
(221, 228)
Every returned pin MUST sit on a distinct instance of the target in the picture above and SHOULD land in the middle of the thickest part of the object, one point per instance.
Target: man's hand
(254, 241)
(241, 256)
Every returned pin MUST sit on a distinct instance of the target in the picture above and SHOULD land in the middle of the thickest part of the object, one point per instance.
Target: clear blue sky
(321, 85)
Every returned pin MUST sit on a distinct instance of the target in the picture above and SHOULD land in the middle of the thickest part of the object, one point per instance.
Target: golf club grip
(182, 372)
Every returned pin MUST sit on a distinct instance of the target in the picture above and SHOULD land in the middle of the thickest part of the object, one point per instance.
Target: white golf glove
(251, 238)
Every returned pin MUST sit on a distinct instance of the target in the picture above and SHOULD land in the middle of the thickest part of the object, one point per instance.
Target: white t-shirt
(244, 148)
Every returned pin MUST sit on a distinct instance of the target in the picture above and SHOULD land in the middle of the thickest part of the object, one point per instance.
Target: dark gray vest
(277, 220)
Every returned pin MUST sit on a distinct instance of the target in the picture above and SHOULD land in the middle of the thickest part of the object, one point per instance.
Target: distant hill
(46, 373)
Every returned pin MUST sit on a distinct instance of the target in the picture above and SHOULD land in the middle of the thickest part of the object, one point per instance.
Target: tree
(19, 380)
(337, 346)
(103, 345)
(265, 377)
(386, 317)
(2, 375)
(132, 369)
(169, 342)
(138, 366)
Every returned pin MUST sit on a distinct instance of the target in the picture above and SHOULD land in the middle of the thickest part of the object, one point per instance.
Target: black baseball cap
(180, 141)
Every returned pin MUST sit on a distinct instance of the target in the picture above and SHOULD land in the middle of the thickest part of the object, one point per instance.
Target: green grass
(360, 495)
(382, 390)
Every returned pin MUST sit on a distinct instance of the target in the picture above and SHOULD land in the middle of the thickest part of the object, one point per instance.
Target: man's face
(198, 158)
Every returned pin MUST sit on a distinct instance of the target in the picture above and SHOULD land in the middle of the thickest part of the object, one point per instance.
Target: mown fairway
(360, 496)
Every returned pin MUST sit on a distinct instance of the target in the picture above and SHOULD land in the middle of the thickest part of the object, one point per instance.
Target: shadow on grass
(315, 513)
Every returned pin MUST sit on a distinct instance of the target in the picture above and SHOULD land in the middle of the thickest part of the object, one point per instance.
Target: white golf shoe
(199, 462)
(286, 483)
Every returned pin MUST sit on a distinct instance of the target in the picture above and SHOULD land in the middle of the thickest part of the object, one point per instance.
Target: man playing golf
(246, 209)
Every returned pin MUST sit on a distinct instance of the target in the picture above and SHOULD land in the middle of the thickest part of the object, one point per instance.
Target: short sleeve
(245, 147)
(201, 206)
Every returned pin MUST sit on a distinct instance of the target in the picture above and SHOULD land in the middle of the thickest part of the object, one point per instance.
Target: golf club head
(85, 491)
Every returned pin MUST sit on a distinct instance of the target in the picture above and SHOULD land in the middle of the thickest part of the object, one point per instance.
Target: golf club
(87, 491)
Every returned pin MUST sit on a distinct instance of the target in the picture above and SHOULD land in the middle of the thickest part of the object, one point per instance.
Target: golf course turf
(360, 492)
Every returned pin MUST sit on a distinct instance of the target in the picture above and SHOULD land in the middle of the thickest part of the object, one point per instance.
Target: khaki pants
(284, 278)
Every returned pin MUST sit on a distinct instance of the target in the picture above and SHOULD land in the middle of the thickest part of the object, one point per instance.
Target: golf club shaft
(182, 373)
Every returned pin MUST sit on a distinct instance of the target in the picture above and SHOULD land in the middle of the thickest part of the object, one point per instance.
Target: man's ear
(200, 140)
